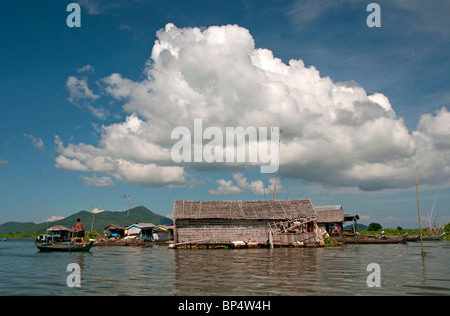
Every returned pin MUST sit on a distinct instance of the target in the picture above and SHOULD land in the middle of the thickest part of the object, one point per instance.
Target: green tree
(447, 228)
(374, 227)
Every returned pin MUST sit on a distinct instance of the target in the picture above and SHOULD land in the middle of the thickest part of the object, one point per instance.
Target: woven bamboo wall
(220, 231)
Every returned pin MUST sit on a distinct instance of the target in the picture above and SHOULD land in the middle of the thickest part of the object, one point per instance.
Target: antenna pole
(276, 174)
(93, 216)
(127, 197)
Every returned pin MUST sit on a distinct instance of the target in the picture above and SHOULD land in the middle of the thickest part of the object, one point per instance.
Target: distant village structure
(258, 223)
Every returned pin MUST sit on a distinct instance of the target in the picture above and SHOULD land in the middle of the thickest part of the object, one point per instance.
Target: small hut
(287, 222)
(330, 219)
(163, 233)
(142, 231)
(60, 232)
(115, 231)
(354, 219)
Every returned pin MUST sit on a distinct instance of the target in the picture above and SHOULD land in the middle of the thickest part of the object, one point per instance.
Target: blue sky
(84, 110)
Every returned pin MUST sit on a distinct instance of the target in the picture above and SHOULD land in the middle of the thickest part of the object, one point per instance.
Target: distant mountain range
(101, 220)
(360, 226)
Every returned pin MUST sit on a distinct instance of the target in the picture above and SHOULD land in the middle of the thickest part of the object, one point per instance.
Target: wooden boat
(437, 237)
(368, 239)
(413, 238)
(63, 246)
(425, 238)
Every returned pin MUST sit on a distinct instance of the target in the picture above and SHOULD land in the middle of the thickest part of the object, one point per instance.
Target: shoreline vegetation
(92, 235)
(429, 230)
(388, 231)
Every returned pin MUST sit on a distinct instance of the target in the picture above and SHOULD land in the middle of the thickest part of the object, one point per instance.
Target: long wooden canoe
(63, 246)
(425, 238)
(367, 239)
(436, 237)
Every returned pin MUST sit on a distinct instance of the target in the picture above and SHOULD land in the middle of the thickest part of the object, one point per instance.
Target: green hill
(101, 220)
(360, 226)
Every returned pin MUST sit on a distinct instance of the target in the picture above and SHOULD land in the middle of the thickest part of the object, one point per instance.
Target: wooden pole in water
(420, 221)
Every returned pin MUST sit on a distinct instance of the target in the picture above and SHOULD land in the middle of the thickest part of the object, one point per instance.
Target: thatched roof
(272, 210)
(330, 216)
(57, 228)
(114, 226)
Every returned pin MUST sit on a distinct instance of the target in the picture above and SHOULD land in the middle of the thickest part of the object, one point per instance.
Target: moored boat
(437, 237)
(413, 238)
(425, 238)
(63, 246)
(368, 239)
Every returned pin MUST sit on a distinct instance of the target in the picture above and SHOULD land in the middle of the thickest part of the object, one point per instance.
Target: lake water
(158, 270)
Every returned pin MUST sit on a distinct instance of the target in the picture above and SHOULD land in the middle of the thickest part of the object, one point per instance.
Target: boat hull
(63, 247)
(361, 239)
(425, 238)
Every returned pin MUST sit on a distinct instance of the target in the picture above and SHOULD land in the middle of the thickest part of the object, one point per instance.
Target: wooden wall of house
(307, 238)
(220, 231)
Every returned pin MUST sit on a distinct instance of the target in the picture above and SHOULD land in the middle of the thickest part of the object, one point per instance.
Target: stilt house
(284, 222)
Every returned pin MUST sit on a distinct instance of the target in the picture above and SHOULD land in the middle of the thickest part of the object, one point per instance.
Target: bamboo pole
(420, 221)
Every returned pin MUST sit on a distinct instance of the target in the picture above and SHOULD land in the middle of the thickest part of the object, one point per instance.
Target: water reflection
(246, 272)
(289, 271)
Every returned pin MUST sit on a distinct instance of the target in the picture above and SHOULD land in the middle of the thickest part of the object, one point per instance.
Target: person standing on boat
(79, 231)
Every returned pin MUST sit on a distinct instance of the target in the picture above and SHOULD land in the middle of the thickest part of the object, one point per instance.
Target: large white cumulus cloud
(336, 133)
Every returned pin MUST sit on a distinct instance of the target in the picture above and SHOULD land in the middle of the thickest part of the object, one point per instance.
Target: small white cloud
(54, 218)
(225, 187)
(78, 90)
(3, 161)
(92, 7)
(96, 211)
(83, 97)
(257, 187)
(70, 164)
(97, 182)
(87, 68)
(37, 142)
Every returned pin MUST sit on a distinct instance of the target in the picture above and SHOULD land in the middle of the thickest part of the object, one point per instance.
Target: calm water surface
(285, 271)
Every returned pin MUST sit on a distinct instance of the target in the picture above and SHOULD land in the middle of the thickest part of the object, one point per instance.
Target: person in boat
(79, 231)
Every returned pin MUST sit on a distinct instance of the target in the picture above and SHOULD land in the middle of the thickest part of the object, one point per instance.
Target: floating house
(262, 223)
(331, 218)
(114, 231)
(142, 231)
(163, 233)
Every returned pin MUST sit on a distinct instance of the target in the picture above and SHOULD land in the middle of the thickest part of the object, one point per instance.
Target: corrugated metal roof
(142, 225)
